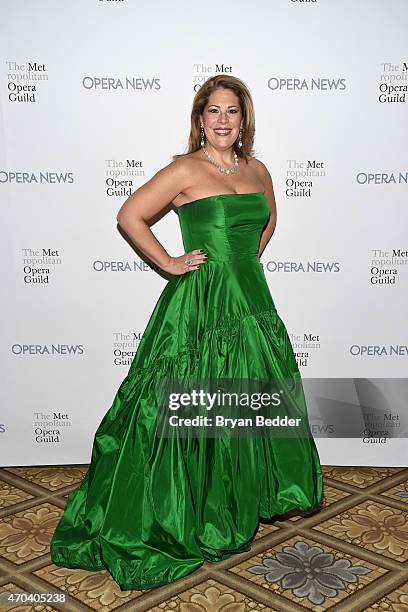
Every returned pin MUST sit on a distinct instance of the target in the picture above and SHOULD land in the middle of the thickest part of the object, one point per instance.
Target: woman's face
(222, 117)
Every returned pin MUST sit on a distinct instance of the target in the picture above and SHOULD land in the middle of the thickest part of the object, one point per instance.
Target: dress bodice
(226, 226)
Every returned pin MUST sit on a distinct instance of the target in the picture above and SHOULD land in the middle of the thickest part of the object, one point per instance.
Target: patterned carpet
(351, 555)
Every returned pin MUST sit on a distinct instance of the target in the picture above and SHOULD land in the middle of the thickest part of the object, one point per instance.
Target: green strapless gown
(152, 509)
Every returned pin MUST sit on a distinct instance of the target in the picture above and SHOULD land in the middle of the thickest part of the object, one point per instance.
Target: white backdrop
(98, 90)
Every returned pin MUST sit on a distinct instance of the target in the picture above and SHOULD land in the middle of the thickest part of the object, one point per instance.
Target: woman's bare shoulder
(258, 166)
(179, 167)
(264, 176)
(188, 159)
(186, 166)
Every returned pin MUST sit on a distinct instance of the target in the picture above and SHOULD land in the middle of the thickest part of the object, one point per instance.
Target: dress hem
(226, 554)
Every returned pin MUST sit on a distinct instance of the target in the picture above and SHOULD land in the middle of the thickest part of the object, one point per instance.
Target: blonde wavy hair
(224, 81)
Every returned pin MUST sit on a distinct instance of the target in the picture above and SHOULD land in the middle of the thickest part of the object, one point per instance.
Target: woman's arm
(270, 226)
(146, 202)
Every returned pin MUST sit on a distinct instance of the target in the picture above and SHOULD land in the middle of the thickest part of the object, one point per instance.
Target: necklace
(222, 169)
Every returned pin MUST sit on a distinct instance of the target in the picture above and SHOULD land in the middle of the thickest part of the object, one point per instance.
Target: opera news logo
(382, 178)
(114, 83)
(61, 350)
(42, 177)
(320, 267)
(296, 84)
(100, 265)
(379, 350)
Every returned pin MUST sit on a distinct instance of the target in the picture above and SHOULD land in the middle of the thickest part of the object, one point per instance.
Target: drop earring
(202, 135)
(240, 137)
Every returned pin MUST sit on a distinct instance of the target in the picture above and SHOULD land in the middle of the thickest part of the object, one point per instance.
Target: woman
(151, 509)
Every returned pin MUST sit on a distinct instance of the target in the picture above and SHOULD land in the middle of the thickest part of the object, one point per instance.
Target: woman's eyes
(215, 110)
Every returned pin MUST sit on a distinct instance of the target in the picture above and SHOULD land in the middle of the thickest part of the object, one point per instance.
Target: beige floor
(359, 541)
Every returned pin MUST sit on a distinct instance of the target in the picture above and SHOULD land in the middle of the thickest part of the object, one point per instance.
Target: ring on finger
(188, 262)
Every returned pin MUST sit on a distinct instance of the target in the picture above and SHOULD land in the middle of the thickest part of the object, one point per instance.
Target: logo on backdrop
(385, 266)
(125, 347)
(119, 175)
(39, 265)
(45, 177)
(378, 350)
(114, 83)
(296, 84)
(24, 80)
(319, 267)
(304, 346)
(202, 72)
(99, 265)
(301, 175)
(370, 410)
(61, 350)
(381, 425)
(48, 427)
(382, 178)
(393, 82)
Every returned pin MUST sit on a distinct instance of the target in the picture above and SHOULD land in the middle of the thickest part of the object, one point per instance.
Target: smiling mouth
(222, 132)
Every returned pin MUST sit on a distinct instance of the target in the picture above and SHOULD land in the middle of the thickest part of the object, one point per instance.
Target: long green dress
(152, 509)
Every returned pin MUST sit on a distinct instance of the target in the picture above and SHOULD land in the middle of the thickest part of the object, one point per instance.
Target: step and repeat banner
(96, 97)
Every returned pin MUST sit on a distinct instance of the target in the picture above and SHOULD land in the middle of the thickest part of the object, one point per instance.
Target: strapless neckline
(220, 195)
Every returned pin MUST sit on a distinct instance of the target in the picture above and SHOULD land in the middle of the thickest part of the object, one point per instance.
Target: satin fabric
(151, 509)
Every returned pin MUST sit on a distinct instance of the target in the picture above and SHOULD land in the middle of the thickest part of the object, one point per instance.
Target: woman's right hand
(177, 265)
